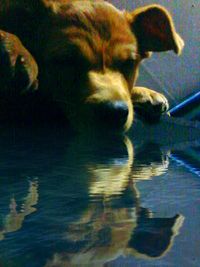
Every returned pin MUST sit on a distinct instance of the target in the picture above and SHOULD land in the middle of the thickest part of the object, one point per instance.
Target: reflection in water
(90, 206)
(13, 221)
(114, 223)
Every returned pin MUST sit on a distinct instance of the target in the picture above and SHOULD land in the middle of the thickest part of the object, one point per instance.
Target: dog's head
(94, 51)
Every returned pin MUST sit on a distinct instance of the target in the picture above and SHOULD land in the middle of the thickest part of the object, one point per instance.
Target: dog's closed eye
(125, 66)
(74, 60)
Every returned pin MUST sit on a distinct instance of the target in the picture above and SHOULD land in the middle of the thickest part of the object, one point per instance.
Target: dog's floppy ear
(154, 29)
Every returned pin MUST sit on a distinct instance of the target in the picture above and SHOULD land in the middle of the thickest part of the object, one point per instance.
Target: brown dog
(88, 54)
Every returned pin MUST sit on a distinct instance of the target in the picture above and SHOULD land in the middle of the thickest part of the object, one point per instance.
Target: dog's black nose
(113, 114)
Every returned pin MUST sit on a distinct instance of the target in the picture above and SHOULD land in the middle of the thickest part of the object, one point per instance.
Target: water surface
(72, 200)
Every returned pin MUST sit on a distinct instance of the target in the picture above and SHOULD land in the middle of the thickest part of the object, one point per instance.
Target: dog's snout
(112, 113)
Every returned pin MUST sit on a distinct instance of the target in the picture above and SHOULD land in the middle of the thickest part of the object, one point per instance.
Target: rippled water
(71, 200)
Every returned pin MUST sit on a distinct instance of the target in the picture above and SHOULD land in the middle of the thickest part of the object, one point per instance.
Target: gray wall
(176, 77)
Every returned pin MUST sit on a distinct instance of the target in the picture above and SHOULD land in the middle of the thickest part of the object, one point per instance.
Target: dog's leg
(149, 104)
(18, 69)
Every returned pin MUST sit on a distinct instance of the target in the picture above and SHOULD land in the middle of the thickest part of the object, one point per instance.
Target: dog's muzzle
(113, 114)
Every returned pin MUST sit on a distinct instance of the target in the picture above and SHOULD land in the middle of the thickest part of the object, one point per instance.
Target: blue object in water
(190, 108)
(188, 160)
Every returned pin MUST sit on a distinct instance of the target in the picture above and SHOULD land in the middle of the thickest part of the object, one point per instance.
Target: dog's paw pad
(159, 103)
(150, 105)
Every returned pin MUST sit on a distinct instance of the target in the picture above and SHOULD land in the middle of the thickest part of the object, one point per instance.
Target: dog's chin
(99, 128)
(100, 121)
(93, 125)
(101, 118)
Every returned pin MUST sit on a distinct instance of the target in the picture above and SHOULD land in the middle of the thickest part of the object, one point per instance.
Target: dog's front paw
(149, 104)
(18, 69)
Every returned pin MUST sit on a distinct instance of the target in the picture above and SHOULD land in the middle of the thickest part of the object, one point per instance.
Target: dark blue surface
(69, 200)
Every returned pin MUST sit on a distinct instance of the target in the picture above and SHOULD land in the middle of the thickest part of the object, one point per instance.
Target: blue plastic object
(190, 108)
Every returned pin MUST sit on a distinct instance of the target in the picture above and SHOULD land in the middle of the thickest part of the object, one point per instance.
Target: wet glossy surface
(68, 200)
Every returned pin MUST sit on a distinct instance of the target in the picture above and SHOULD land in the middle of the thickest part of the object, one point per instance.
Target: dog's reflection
(115, 223)
(13, 221)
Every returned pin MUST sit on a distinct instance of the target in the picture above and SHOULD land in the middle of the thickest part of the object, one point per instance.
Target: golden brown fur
(88, 53)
